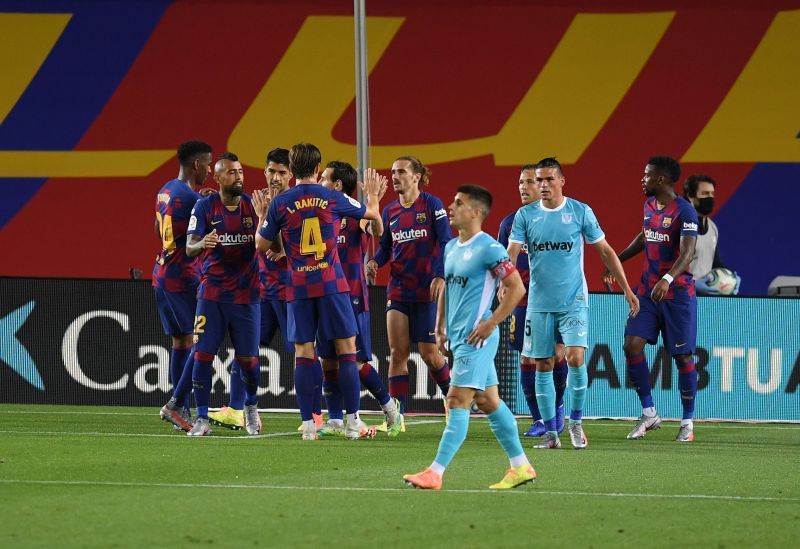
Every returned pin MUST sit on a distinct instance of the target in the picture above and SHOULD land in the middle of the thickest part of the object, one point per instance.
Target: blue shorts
(326, 318)
(421, 319)
(326, 348)
(473, 367)
(543, 330)
(213, 319)
(273, 318)
(176, 310)
(675, 318)
(516, 336)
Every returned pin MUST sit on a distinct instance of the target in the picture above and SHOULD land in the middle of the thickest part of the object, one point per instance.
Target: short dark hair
(527, 167)
(693, 181)
(189, 150)
(228, 155)
(478, 194)
(418, 167)
(344, 172)
(278, 156)
(549, 162)
(667, 166)
(304, 159)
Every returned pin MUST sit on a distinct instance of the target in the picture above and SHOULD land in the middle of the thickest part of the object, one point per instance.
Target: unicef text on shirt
(409, 234)
(228, 239)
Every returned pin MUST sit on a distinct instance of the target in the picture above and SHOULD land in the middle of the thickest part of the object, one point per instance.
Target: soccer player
(274, 275)
(413, 245)
(666, 291)
(223, 228)
(554, 228)
(353, 240)
(473, 265)
(529, 193)
(175, 276)
(307, 218)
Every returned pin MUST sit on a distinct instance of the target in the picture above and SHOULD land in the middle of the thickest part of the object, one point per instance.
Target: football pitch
(120, 477)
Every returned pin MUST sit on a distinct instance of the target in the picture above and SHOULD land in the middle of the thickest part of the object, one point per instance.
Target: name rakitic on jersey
(310, 202)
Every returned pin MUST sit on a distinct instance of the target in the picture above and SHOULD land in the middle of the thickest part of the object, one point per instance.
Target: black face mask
(705, 205)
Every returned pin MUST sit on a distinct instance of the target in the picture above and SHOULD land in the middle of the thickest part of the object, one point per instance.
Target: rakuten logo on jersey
(408, 235)
(655, 236)
(228, 239)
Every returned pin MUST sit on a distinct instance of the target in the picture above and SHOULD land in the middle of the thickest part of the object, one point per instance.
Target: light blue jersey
(555, 240)
(471, 271)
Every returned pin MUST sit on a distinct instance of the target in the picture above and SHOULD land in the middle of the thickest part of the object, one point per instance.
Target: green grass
(119, 477)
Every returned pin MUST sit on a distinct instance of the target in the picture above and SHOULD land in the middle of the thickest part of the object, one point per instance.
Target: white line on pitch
(377, 489)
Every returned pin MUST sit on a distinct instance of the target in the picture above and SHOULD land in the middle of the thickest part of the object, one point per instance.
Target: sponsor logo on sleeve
(192, 222)
(438, 214)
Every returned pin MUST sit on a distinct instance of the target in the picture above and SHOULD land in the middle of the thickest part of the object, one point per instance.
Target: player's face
(326, 180)
(461, 211)
(278, 176)
(705, 190)
(230, 177)
(650, 180)
(202, 166)
(549, 182)
(527, 187)
(403, 179)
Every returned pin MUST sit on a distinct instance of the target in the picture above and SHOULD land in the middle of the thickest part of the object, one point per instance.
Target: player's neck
(467, 233)
(408, 198)
(553, 202)
(307, 181)
(663, 200)
(187, 178)
(229, 200)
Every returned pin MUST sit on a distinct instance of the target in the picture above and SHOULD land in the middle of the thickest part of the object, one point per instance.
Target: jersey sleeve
(443, 234)
(498, 262)
(689, 221)
(517, 234)
(347, 206)
(269, 229)
(505, 231)
(385, 242)
(198, 221)
(591, 227)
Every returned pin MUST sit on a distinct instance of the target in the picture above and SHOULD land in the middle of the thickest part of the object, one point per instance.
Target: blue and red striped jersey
(663, 230)
(307, 217)
(413, 243)
(174, 271)
(353, 245)
(229, 272)
(523, 264)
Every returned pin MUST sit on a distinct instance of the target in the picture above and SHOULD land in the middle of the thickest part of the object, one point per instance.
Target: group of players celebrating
(292, 258)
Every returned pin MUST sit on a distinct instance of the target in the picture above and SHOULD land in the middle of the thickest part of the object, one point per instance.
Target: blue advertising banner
(748, 361)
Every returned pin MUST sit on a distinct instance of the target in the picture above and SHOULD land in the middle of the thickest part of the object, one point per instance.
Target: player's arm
(685, 255)
(158, 229)
(614, 266)
(374, 187)
(513, 290)
(384, 249)
(197, 239)
(636, 246)
(441, 322)
(442, 233)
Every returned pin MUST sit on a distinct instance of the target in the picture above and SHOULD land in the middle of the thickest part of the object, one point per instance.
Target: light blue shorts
(539, 329)
(473, 367)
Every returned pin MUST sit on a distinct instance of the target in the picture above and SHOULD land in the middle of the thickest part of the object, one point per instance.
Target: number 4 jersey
(308, 218)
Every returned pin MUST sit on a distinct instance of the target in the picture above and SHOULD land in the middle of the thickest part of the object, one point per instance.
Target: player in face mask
(699, 190)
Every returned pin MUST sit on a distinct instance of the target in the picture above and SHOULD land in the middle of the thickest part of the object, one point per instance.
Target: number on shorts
(199, 324)
(527, 327)
(311, 241)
